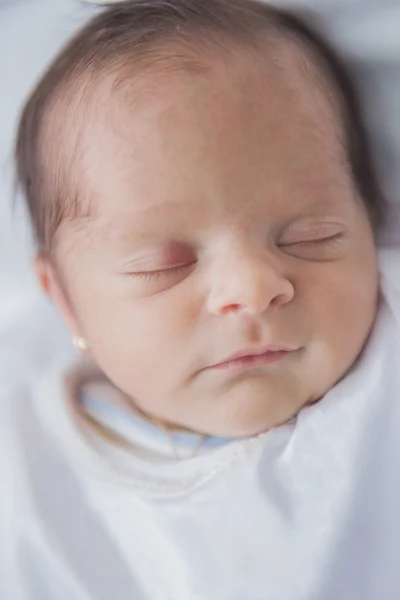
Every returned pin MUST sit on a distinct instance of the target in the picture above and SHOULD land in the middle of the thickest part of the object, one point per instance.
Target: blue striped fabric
(144, 434)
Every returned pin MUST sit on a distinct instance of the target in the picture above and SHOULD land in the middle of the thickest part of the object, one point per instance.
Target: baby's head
(199, 186)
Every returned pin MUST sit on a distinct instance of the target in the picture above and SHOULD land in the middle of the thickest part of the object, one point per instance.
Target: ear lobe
(47, 278)
(50, 283)
(42, 267)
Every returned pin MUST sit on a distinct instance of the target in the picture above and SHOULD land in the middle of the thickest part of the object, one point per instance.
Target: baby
(206, 216)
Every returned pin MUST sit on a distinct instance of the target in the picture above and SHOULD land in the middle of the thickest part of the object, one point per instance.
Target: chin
(254, 422)
(255, 407)
(245, 430)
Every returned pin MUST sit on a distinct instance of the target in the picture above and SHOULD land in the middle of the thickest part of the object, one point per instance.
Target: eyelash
(147, 275)
(331, 240)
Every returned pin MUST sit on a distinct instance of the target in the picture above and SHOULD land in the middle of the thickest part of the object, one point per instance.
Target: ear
(50, 282)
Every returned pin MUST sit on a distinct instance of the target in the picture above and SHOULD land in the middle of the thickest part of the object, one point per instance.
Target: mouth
(254, 358)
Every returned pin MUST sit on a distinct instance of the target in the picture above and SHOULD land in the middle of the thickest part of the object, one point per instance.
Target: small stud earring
(80, 344)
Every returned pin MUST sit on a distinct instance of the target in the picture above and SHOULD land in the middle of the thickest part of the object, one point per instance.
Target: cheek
(131, 338)
(342, 306)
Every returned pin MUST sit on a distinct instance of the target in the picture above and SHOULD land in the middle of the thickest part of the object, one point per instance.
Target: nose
(249, 284)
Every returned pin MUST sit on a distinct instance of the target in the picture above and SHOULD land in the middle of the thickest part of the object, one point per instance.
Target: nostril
(231, 308)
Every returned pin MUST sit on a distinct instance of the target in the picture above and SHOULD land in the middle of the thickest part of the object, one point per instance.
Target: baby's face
(226, 222)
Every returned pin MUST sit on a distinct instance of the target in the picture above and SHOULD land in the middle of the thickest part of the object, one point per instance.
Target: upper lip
(256, 352)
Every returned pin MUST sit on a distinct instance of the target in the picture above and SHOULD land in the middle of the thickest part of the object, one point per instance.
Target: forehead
(232, 128)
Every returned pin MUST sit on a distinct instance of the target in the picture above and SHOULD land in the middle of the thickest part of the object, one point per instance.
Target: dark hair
(131, 28)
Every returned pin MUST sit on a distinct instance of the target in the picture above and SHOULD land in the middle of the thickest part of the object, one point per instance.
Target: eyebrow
(141, 222)
(167, 211)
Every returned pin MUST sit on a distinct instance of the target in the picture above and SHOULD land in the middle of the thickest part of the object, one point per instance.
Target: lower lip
(246, 362)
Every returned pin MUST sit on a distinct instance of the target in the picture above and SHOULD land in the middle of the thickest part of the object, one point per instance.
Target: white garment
(309, 510)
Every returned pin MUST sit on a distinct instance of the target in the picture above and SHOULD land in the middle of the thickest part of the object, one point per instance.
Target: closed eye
(324, 240)
(313, 248)
(159, 273)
